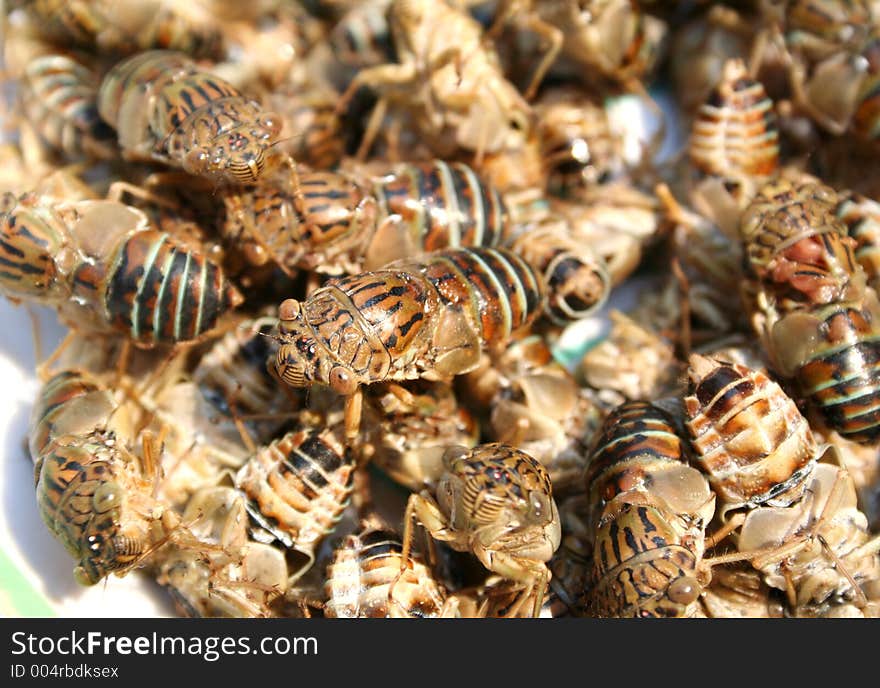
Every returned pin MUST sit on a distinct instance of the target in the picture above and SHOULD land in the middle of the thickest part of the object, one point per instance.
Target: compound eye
(342, 381)
(684, 590)
(289, 309)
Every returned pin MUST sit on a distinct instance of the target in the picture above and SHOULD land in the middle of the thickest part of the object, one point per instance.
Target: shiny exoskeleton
(365, 581)
(748, 435)
(821, 553)
(428, 318)
(861, 216)
(59, 97)
(347, 223)
(648, 514)
(297, 489)
(496, 502)
(165, 107)
(810, 303)
(734, 134)
(93, 493)
(105, 267)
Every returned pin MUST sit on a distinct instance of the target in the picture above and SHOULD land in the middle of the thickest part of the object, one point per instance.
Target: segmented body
(862, 219)
(648, 511)
(361, 37)
(104, 266)
(364, 568)
(734, 134)
(297, 488)
(350, 223)
(164, 107)
(222, 573)
(91, 492)
(748, 435)
(59, 98)
(812, 307)
(496, 502)
(428, 318)
(819, 548)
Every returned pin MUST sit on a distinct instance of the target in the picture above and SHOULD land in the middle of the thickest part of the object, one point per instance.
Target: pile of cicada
(316, 260)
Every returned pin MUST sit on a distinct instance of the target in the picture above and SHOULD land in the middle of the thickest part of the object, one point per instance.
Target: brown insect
(748, 435)
(429, 318)
(497, 503)
(105, 267)
(166, 108)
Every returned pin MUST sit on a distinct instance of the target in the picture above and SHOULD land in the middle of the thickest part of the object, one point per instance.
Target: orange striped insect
(166, 108)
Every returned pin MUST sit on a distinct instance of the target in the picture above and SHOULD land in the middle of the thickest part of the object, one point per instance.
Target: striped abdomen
(862, 219)
(31, 236)
(81, 497)
(497, 289)
(363, 569)
(734, 134)
(441, 205)
(748, 435)
(71, 402)
(59, 97)
(297, 488)
(429, 318)
(639, 451)
(841, 376)
(157, 290)
(576, 280)
(165, 107)
(642, 567)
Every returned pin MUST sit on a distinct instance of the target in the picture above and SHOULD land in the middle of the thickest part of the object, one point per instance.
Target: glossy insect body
(816, 316)
(748, 435)
(821, 553)
(164, 107)
(103, 265)
(639, 451)
(866, 117)
(363, 221)
(648, 511)
(576, 280)
(297, 488)
(365, 580)
(91, 491)
(734, 134)
(496, 502)
(430, 318)
(59, 98)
